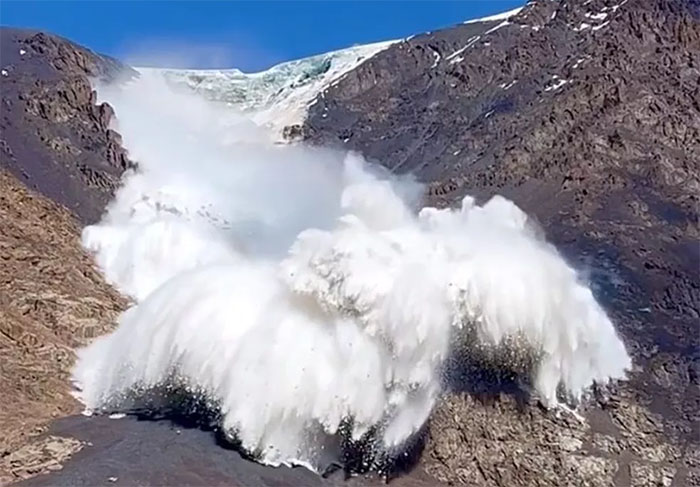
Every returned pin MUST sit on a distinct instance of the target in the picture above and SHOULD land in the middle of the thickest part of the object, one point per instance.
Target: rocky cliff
(56, 138)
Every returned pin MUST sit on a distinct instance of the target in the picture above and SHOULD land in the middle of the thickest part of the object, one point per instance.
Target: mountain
(585, 113)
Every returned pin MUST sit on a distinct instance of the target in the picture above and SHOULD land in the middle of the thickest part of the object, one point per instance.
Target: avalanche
(305, 293)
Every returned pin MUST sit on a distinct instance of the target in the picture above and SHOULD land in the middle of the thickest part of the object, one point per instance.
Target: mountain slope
(51, 301)
(55, 138)
(586, 114)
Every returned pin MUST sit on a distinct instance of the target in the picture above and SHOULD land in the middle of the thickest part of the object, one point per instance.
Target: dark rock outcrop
(54, 136)
(586, 114)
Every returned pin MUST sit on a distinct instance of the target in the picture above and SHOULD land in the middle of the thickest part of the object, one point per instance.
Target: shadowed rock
(55, 138)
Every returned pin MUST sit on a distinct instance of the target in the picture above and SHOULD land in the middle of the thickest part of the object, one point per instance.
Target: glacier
(279, 96)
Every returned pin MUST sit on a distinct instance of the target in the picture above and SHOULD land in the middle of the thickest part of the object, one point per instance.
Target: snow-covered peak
(276, 97)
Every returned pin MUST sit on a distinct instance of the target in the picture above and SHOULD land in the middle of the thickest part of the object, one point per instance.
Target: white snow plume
(299, 290)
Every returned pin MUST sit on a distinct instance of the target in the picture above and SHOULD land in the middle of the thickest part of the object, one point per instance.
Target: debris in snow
(4, 72)
(346, 139)
(113, 479)
(554, 14)
(456, 152)
(22, 52)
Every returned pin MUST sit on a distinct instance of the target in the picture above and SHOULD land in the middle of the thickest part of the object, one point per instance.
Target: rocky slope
(51, 301)
(586, 114)
(56, 140)
(55, 137)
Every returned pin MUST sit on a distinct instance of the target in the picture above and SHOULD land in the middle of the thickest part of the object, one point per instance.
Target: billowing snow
(279, 96)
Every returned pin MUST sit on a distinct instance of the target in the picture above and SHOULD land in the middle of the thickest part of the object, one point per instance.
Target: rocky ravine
(586, 114)
(604, 155)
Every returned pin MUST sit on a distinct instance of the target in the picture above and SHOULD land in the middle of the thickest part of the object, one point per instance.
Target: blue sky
(247, 35)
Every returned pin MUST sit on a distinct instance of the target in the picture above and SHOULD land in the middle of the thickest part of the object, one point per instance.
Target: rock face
(52, 300)
(55, 138)
(586, 114)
